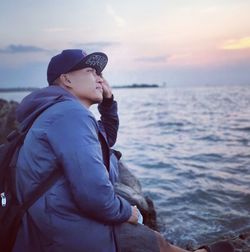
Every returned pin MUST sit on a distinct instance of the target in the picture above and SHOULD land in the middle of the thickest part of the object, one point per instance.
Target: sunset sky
(180, 42)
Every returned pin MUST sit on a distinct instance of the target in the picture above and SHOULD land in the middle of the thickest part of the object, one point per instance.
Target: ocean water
(190, 149)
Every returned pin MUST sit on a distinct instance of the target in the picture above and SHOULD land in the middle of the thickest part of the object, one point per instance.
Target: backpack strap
(40, 190)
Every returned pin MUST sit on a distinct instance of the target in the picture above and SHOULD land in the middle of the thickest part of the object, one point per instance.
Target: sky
(177, 42)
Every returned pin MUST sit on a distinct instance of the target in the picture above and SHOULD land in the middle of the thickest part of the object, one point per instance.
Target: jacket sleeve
(109, 119)
(73, 138)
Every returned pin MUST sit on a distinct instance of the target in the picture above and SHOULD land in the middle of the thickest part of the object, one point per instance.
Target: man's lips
(99, 88)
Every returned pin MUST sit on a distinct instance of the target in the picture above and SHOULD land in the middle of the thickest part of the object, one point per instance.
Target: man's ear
(65, 81)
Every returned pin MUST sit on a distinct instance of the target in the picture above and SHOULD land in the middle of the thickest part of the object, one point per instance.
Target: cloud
(154, 59)
(96, 46)
(237, 44)
(21, 49)
(55, 29)
(120, 22)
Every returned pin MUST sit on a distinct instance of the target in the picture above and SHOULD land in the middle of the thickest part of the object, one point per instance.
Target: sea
(190, 149)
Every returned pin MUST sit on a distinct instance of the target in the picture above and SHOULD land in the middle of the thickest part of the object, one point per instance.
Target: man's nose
(99, 79)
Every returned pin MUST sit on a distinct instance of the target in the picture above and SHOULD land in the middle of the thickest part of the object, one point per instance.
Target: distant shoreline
(26, 89)
(30, 89)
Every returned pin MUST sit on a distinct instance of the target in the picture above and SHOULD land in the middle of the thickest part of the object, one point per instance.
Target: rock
(129, 188)
(7, 118)
(128, 179)
(241, 243)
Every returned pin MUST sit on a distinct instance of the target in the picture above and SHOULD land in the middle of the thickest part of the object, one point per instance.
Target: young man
(79, 212)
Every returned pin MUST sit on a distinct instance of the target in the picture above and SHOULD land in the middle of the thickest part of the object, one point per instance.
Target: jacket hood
(36, 102)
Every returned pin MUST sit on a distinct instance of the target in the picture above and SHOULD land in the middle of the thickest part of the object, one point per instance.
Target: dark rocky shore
(7, 118)
(129, 186)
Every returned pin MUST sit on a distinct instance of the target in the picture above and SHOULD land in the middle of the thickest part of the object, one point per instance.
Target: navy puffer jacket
(79, 211)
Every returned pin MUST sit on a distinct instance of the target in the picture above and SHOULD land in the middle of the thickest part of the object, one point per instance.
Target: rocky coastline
(129, 186)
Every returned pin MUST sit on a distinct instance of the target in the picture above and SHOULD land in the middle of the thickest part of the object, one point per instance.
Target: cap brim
(97, 60)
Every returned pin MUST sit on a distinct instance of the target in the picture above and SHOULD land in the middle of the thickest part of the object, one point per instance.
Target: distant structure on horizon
(138, 85)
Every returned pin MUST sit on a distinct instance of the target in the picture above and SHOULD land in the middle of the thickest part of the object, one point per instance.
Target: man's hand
(134, 217)
(107, 92)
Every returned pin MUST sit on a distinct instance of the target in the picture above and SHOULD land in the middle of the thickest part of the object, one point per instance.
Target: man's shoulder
(67, 107)
(67, 110)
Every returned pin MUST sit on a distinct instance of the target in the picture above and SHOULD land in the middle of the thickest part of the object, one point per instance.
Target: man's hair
(57, 81)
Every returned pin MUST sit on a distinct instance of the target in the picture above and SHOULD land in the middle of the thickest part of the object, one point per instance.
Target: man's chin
(98, 100)
(101, 99)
